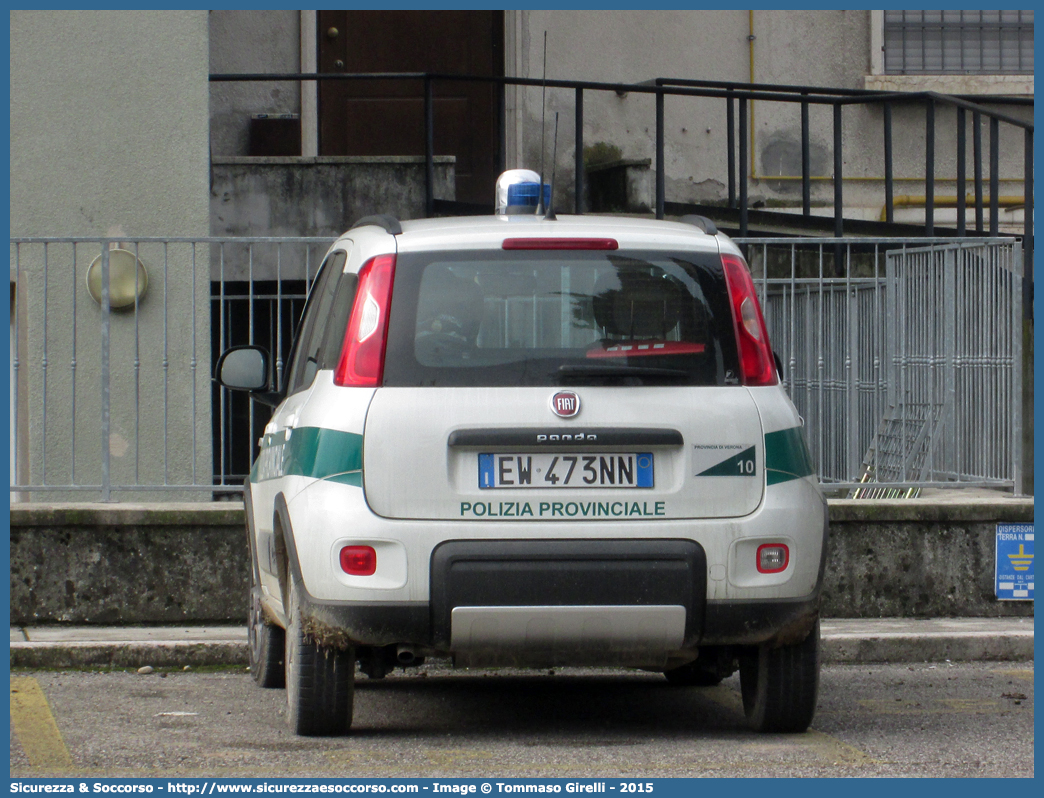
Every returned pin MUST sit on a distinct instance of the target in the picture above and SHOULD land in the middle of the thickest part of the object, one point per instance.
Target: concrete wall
(109, 121)
(247, 42)
(320, 196)
(134, 564)
(128, 563)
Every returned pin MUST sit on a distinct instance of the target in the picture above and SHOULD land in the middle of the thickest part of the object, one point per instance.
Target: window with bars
(958, 42)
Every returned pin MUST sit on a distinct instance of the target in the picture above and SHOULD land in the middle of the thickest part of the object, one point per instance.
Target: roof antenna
(550, 217)
(543, 107)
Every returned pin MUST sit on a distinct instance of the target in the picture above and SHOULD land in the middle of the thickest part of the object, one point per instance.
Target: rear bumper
(724, 623)
(568, 601)
(520, 589)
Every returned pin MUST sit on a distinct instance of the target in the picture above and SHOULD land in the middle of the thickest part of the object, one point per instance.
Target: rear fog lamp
(359, 560)
(773, 558)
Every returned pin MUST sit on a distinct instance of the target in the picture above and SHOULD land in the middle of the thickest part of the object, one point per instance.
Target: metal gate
(904, 359)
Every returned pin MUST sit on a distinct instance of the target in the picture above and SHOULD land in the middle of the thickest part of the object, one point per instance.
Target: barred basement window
(958, 42)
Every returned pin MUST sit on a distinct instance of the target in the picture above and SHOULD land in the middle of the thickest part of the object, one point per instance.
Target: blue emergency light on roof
(524, 195)
(518, 192)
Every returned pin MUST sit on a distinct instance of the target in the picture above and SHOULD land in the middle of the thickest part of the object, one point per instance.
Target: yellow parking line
(1018, 674)
(34, 726)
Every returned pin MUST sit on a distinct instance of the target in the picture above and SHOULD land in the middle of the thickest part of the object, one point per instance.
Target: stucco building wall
(827, 48)
(109, 131)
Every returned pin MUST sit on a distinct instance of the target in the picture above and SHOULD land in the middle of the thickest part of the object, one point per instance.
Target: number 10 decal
(725, 461)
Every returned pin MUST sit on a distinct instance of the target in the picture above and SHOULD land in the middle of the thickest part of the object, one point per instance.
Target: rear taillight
(359, 560)
(362, 356)
(756, 362)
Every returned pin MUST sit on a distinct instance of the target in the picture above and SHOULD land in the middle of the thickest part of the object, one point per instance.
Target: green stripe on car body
(313, 452)
(332, 454)
(786, 456)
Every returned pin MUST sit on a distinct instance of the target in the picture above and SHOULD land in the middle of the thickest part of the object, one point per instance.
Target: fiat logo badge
(565, 404)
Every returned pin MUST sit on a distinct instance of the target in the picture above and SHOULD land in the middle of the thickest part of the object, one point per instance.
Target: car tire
(320, 680)
(267, 645)
(692, 675)
(780, 685)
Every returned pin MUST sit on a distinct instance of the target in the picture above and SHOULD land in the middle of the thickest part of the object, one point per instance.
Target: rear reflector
(756, 362)
(359, 560)
(773, 558)
(362, 356)
(560, 243)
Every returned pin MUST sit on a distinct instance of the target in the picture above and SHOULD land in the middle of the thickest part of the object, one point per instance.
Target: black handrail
(744, 93)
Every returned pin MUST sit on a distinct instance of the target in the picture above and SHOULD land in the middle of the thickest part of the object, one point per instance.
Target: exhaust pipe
(404, 655)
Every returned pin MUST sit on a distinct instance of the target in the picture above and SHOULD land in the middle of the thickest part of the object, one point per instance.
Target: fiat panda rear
(533, 442)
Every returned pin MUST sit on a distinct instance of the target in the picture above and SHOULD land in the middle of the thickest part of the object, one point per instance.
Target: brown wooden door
(387, 117)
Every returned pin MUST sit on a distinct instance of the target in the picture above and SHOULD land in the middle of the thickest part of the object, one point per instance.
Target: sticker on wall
(1014, 569)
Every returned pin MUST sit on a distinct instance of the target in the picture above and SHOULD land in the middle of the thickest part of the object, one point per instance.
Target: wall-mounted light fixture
(128, 279)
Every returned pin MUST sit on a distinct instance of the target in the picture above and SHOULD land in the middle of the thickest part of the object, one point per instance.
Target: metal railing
(119, 402)
(906, 368)
(737, 101)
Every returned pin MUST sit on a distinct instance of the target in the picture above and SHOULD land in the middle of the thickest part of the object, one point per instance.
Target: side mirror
(243, 368)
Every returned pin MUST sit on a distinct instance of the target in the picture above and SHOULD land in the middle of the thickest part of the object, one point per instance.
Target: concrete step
(852, 640)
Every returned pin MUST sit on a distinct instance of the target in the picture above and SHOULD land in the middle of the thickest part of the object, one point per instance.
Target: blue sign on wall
(1015, 562)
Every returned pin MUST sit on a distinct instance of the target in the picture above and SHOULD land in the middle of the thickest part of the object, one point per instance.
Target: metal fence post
(106, 483)
(1017, 321)
(961, 173)
(852, 365)
(929, 169)
(950, 261)
(889, 188)
(429, 148)
(806, 168)
(743, 165)
(660, 176)
(500, 89)
(994, 175)
(578, 158)
(730, 143)
(1027, 227)
(838, 189)
(977, 167)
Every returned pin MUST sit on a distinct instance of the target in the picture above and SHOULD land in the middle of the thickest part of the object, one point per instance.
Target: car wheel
(320, 680)
(692, 675)
(266, 646)
(780, 685)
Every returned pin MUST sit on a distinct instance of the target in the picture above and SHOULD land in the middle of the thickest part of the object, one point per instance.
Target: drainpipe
(920, 200)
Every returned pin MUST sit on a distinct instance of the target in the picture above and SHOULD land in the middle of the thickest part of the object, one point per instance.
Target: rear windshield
(500, 318)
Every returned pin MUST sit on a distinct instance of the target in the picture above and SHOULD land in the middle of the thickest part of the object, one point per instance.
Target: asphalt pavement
(849, 640)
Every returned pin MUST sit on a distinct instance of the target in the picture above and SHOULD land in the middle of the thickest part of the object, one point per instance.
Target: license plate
(543, 471)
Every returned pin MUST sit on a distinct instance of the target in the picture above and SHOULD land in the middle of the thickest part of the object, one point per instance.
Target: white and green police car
(531, 441)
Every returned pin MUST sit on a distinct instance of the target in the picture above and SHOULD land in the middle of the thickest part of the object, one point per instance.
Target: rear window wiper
(611, 370)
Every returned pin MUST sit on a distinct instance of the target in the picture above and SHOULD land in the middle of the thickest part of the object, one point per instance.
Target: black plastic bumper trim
(565, 436)
(514, 573)
(742, 622)
(373, 624)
